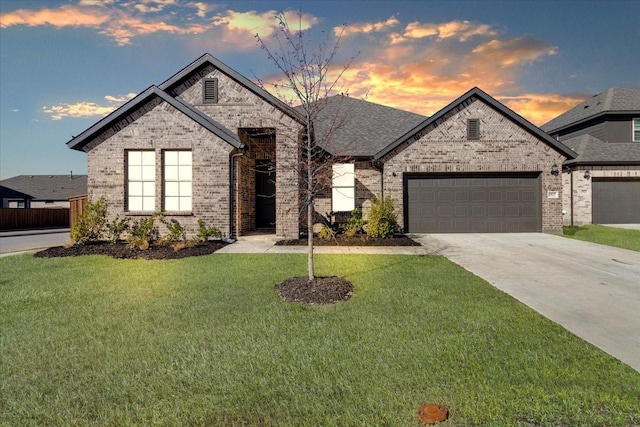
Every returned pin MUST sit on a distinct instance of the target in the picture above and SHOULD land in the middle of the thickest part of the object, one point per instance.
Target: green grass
(205, 341)
(611, 236)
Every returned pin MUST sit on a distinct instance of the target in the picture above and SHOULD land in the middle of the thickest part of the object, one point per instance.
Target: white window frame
(343, 187)
(141, 181)
(178, 180)
(635, 127)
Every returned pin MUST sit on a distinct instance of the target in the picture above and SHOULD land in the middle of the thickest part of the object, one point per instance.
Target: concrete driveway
(590, 289)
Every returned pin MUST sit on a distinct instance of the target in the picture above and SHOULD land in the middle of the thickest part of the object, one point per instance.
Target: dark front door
(265, 194)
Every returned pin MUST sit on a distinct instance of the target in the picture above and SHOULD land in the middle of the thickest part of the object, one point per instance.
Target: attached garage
(616, 201)
(480, 203)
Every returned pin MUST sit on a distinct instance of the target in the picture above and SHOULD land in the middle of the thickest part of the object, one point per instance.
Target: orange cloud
(511, 52)
(86, 109)
(65, 16)
(461, 30)
(264, 23)
(153, 6)
(124, 28)
(366, 27)
(539, 108)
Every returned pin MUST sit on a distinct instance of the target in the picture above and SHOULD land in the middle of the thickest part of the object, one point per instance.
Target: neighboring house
(602, 184)
(209, 144)
(41, 191)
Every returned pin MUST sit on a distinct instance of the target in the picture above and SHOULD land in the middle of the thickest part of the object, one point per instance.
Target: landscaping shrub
(326, 233)
(116, 227)
(177, 232)
(382, 221)
(354, 224)
(92, 224)
(144, 232)
(205, 233)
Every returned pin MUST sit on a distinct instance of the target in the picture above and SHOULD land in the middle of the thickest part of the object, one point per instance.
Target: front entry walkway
(592, 290)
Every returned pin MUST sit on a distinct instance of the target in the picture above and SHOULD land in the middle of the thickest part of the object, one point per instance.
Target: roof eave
(593, 117)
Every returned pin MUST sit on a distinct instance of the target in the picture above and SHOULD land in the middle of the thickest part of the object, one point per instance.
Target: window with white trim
(177, 181)
(636, 130)
(343, 189)
(141, 181)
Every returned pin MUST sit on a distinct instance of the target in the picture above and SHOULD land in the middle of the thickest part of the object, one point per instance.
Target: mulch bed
(322, 290)
(357, 240)
(123, 251)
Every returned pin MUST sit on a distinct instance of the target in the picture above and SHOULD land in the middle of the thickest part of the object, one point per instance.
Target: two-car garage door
(616, 201)
(473, 203)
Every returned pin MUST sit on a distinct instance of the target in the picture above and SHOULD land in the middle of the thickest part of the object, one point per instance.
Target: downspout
(571, 196)
(232, 193)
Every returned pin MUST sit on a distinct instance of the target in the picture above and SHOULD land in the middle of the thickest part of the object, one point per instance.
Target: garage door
(473, 204)
(616, 201)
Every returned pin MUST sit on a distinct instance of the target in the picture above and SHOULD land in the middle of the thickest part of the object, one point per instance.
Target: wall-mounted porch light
(554, 170)
(587, 174)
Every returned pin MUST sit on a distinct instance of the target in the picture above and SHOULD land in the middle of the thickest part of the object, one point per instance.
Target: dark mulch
(322, 290)
(123, 251)
(357, 240)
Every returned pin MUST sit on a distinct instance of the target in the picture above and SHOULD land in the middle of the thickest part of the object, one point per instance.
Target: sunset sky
(66, 64)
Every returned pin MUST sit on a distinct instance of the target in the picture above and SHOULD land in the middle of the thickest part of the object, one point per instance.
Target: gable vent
(473, 128)
(210, 91)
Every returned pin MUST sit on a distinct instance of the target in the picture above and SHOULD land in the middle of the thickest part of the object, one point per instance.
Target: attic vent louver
(210, 91)
(473, 128)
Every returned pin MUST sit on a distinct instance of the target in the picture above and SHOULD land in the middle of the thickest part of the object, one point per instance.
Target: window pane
(343, 175)
(135, 173)
(185, 173)
(171, 173)
(149, 188)
(171, 203)
(135, 157)
(185, 203)
(135, 189)
(135, 203)
(148, 203)
(185, 157)
(185, 189)
(148, 158)
(148, 173)
(172, 189)
(170, 157)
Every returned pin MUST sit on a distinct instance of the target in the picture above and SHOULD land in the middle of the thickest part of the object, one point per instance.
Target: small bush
(144, 232)
(205, 233)
(354, 224)
(382, 221)
(177, 232)
(326, 233)
(92, 224)
(116, 227)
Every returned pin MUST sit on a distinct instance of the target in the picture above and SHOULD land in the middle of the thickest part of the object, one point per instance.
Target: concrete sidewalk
(19, 241)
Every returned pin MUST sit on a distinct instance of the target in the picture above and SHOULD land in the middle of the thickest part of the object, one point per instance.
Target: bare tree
(310, 75)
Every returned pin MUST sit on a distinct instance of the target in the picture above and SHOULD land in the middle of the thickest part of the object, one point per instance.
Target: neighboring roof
(348, 126)
(593, 151)
(48, 187)
(498, 106)
(10, 193)
(610, 101)
(208, 59)
(79, 142)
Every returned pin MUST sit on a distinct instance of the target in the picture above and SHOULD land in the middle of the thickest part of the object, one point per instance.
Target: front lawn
(205, 341)
(611, 236)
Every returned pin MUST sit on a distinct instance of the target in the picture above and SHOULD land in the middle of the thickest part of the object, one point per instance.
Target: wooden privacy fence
(21, 219)
(77, 205)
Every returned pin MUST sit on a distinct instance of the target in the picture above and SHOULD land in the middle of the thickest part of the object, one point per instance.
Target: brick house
(210, 144)
(602, 184)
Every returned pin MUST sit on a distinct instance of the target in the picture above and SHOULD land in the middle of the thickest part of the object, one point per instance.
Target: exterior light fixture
(554, 170)
(587, 174)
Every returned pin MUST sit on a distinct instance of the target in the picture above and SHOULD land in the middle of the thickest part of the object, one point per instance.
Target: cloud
(461, 30)
(125, 27)
(366, 27)
(264, 23)
(539, 108)
(515, 51)
(86, 109)
(153, 6)
(64, 16)
(202, 8)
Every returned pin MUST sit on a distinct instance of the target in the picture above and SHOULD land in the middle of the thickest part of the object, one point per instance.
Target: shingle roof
(593, 151)
(610, 101)
(501, 108)
(48, 187)
(79, 142)
(348, 126)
